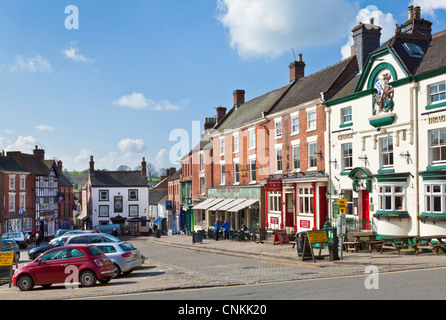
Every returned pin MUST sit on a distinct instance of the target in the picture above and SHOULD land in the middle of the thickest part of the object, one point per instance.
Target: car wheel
(87, 279)
(25, 283)
(105, 280)
(117, 271)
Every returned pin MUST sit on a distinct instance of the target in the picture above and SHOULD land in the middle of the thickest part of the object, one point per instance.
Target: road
(172, 273)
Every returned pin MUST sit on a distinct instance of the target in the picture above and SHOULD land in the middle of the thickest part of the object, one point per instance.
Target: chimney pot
(411, 16)
(91, 166)
(221, 113)
(144, 168)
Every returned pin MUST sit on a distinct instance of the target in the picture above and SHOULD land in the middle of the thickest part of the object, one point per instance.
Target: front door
(289, 220)
(363, 209)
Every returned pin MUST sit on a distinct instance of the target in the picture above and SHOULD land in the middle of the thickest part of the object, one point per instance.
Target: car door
(52, 267)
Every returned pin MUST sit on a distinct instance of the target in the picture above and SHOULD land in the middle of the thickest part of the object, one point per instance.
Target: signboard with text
(274, 185)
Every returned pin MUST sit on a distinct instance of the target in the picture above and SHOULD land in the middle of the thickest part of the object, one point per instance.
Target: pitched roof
(118, 179)
(156, 195)
(250, 111)
(10, 164)
(31, 163)
(435, 57)
(176, 175)
(310, 87)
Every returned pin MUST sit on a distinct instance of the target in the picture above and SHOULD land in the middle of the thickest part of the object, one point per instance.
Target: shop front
(296, 204)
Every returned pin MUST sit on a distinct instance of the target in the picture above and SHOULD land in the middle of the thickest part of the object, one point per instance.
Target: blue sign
(169, 205)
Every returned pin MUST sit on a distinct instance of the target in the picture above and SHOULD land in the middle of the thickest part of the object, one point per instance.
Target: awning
(202, 204)
(243, 205)
(221, 204)
(232, 204)
(205, 205)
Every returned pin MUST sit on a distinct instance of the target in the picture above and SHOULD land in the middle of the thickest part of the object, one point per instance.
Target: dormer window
(413, 50)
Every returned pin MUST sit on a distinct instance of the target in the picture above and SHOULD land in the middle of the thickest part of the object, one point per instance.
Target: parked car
(108, 228)
(61, 232)
(49, 268)
(92, 239)
(34, 253)
(124, 256)
(20, 238)
(8, 245)
(71, 233)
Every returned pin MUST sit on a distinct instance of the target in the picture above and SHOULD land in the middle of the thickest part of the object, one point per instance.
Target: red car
(82, 264)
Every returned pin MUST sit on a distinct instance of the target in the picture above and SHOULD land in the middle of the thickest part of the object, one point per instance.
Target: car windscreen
(109, 238)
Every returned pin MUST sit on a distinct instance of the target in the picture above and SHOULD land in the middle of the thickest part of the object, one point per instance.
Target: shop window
(274, 201)
(306, 198)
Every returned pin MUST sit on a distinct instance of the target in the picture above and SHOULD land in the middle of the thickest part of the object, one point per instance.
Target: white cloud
(43, 127)
(72, 52)
(78, 162)
(269, 28)
(429, 6)
(385, 20)
(23, 144)
(132, 146)
(162, 159)
(139, 102)
(34, 64)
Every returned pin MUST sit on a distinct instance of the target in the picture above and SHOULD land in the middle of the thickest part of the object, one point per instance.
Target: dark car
(10, 245)
(89, 262)
(34, 253)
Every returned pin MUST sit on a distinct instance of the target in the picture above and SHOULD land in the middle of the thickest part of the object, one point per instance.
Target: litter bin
(300, 238)
(158, 233)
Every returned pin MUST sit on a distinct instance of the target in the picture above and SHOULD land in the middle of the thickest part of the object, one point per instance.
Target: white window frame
(347, 157)
(202, 185)
(22, 201)
(312, 155)
(222, 174)
(22, 182)
(296, 156)
(252, 172)
(439, 146)
(346, 118)
(305, 201)
(236, 171)
(236, 142)
(279, 169)
(107, 193)
(12, 182)
(252, 138)
(11, 202)
(389, 190)
(311, 123)
(437, 93)
(294, 126)
(432, 190)
(278, 128)
(275, 202)
(222, 146)
(385, 153)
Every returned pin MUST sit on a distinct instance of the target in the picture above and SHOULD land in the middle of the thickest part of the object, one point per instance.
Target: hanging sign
(274, 185)
(342, 203)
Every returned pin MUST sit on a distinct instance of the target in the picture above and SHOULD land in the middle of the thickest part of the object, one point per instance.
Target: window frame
(312, 156)
(439, 146)
(344, 116)
(392, 194)
(389, 155)
(348, 157)
(438, 93)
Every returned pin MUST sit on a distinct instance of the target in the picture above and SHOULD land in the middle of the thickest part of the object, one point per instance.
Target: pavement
(267, 250)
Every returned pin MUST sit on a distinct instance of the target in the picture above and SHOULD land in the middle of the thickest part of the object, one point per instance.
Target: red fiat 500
(82, 264)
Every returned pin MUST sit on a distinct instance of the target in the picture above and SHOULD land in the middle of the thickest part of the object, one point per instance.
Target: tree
(124, 168)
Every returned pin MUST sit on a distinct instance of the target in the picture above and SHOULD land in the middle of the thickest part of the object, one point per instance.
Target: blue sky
(135, 71)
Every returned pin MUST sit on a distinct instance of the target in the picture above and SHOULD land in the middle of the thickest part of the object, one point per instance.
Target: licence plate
(135, 255)
(106, 261)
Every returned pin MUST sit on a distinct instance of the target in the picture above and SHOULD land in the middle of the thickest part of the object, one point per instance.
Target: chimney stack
(91, 170)
(221, 111)
(209, 123)
(297, 69)
(239, 98)
(417, 26)
(39, 153)
(59, 165)
(144, 168)
(366, 39)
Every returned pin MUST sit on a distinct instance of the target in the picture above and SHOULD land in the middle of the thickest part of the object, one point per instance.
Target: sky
(123, 80)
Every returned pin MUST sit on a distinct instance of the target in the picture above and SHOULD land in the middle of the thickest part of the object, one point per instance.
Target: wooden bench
(358, 240)
(425, 242)
(398, 243)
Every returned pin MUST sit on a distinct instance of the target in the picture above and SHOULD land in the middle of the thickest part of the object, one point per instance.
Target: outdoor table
(358, 241)
(425, 242)
(398, 243)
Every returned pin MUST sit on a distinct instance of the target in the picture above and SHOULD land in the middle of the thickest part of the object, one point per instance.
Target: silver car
(124, 256)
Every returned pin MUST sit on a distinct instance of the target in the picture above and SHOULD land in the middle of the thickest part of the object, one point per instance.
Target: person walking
(226, 229)
(216, 229)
